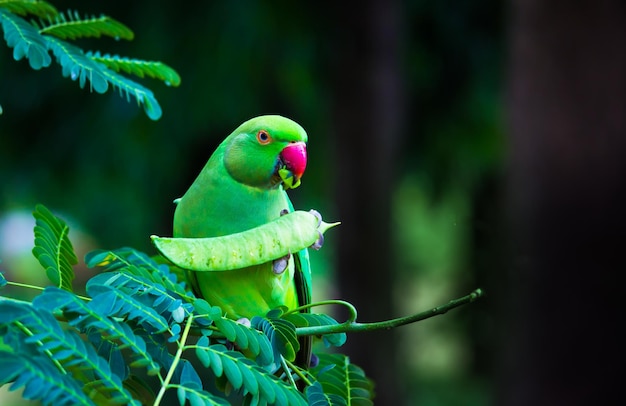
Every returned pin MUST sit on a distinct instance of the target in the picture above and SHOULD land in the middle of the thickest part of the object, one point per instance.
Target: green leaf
(243, 373)
(139, 264)
(315, 320)
(53, 248)
(151, 304)
(25, 40)
(281, 334)
(198, 397)
(148, 282)
(23, 7)
(40, 380)
(137, 67)
(116, 303)
(250, 340)
(33, 41)
(40, 331)
(140, 390)
(71, 25)
(205, 313)
(341, 378)
(82, 316)
(77, 66)
(189, 377)
(232, 372)
(111, 353)
(316, 397)
(226, 327)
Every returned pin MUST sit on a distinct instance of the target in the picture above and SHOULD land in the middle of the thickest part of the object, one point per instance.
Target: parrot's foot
(320, 240)
(245, 321)
(280, 264)
(283, 212)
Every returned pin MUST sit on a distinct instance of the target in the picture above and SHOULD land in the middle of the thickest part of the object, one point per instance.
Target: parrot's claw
(244, 321)
(320, 241)
(284, 211)
(280, 264)
(317, 215)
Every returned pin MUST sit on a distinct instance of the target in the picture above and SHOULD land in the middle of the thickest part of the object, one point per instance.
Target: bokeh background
(462, 144)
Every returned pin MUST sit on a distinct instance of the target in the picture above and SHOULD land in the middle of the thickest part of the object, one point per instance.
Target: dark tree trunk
(567, 112)
(367, 115)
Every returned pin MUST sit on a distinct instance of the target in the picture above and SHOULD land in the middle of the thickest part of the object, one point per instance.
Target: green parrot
(241, 187)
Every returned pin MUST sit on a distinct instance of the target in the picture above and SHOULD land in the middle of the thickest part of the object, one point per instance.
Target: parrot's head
(267, 151)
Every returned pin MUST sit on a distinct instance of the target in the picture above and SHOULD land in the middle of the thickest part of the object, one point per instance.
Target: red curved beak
(294, 158)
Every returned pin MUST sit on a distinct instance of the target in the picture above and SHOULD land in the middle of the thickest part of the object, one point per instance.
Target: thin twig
(352, 326)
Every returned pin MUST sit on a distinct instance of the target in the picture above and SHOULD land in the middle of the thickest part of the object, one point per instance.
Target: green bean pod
(287, 234)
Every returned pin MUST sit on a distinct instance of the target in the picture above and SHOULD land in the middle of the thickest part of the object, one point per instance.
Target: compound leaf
(40, 380)
(53, 248)
(137, 67)
(71, 25)
(25, 40)
(281, 334)
(35, 7)
(341, 378)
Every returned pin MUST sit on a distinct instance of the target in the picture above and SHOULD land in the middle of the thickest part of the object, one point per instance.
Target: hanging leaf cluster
(140, 336)
(36, 31)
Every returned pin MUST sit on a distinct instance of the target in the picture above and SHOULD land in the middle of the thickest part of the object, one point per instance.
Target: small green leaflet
(53, 248)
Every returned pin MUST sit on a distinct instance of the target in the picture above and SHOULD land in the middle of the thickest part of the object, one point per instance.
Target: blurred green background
(406, 110)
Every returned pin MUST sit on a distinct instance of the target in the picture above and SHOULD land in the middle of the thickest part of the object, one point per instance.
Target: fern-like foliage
(41, 334)
(314, 319)
(342, 381)
(25, 40)
(141, 268)
(73, 26)
(35, 40)
(317, 397)
(40, 380)
(53, 248)
(137, 67)
(242, 373)
(38, 8)
(256, 344)
(141, 337)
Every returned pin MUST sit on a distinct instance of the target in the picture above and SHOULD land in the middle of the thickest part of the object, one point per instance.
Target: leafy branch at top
(37, 38)
(142, 337)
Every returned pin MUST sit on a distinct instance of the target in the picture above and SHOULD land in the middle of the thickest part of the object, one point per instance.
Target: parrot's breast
(215, 207)
(248, 292)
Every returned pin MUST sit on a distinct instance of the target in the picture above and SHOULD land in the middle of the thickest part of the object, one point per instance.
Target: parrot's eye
(263, 137)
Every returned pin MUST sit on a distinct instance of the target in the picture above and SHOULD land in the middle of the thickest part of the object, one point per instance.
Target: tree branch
(352, 326)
